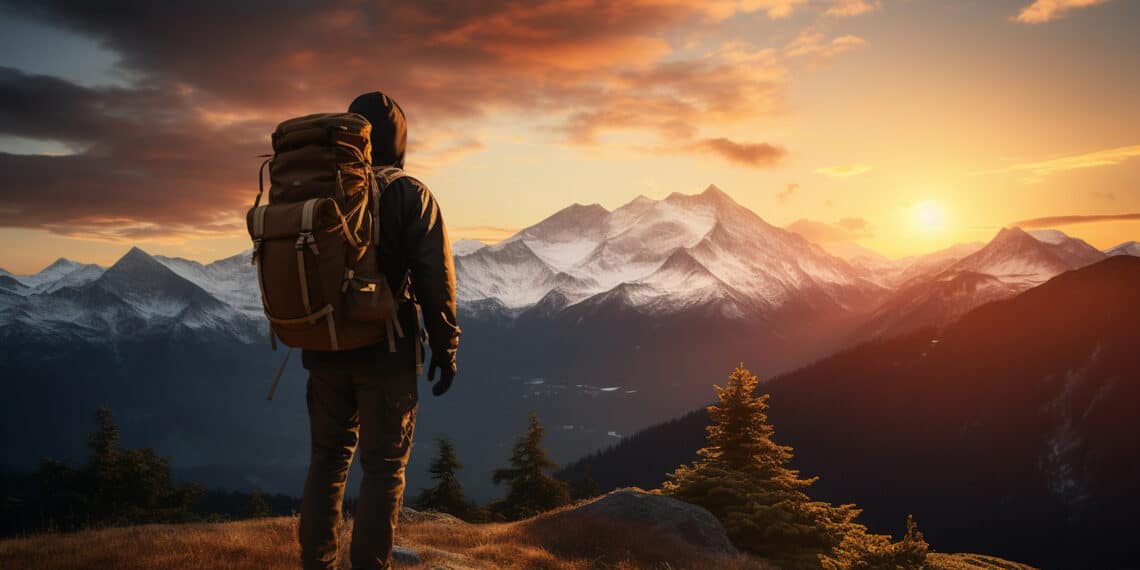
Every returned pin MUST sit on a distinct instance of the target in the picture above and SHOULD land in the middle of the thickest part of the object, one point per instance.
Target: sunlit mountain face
(603, 321)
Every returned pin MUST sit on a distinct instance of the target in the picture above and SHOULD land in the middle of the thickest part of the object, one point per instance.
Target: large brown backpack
(314, 243)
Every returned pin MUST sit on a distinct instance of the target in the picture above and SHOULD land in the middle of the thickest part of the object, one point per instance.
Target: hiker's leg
(388, 402)
(333, 428)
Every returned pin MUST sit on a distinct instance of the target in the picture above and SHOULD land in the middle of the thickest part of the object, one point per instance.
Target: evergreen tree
(862, 550)
(531, 490)
(115, 486)
(258, 505)
(104, 444)
(742, 477)
(585, 487)
(447, 494)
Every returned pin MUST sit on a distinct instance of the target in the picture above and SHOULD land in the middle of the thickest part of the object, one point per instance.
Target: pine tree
(742, 477)
(531, 489)
(447, 495)
(104, 444)
(585, 487)
(258, 505)
(863, 550)
(115, 486)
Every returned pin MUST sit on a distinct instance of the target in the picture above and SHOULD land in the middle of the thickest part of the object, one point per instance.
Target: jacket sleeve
(428, 254)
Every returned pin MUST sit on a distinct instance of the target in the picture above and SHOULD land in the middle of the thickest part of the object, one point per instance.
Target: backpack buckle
(307, 238)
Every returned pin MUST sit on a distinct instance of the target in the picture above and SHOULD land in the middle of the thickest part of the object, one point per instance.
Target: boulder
(658, 514)
(410, 515)
(405, 556)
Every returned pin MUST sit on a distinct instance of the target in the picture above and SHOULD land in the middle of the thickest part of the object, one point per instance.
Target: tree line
(118, 486)
(741, 475)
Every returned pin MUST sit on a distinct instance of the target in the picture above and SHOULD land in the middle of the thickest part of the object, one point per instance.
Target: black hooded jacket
(415, 255)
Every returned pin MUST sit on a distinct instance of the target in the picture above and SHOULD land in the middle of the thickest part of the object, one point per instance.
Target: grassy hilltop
(443, 542)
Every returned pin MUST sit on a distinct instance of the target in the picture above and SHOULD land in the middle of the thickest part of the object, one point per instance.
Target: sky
(905, 126)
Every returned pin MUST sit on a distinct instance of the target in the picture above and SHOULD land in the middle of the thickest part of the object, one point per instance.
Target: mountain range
(700, 253)
(602, 321)
(1006, 432)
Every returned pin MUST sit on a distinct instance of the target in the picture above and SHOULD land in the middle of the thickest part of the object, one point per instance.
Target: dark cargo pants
(375, 411)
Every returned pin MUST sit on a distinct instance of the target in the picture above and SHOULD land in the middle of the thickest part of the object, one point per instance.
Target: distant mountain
(138, 296)
(702, 253)
(60, 274)
(1126, 248)
(1006, 433)
(232, 280)
(1010, 263)
(466, 246)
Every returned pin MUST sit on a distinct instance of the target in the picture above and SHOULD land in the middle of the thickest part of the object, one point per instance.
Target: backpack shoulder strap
(387, 175)
(382, 178)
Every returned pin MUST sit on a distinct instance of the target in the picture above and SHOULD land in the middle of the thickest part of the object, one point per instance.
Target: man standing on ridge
(367, 397)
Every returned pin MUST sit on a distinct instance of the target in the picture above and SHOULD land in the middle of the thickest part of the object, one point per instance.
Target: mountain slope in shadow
(1008, 433)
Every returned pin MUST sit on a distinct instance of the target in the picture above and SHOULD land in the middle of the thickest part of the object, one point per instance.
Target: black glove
(447, 370)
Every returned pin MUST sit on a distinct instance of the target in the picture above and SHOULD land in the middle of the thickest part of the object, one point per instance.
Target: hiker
(365, 399)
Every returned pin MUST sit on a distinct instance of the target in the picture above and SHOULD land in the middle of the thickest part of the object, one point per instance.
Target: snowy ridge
(137, 295)
(1126, 248)
(1009, 264)
(667, 255)
(702, 254)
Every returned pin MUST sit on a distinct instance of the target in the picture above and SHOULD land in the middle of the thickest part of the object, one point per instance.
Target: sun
(929, 216)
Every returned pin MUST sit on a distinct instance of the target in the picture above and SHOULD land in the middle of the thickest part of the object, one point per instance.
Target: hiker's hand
(447, 370)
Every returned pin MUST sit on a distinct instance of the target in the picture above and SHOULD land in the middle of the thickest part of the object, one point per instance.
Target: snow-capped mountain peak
(59, 274)
(1015, 256)
(684, 249)
(1126, 248)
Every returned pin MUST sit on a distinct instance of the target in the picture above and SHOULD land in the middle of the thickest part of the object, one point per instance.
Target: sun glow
(929, 216)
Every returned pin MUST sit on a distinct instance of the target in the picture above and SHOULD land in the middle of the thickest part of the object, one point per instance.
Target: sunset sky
(904, 125)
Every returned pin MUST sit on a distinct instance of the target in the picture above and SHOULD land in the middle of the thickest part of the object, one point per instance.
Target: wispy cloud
(1053, 221)
(815, 46)
(848, 8)
(1041, 11)
(843, 170)
(775, 9)
(788, 192)
(1039, 170)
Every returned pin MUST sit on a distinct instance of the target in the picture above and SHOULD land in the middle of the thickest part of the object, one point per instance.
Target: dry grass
(541, 543)
(271, 543)
(938, 561)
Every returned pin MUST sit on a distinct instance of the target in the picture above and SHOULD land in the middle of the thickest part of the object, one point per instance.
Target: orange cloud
(1041, 11)
(747, 154)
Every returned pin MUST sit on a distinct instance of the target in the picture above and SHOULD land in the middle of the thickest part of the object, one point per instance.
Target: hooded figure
(364, 400)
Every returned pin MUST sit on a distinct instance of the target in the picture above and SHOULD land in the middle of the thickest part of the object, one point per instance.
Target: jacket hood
(389, 129)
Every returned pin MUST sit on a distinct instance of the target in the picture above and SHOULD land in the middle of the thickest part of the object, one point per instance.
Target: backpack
(315, 241)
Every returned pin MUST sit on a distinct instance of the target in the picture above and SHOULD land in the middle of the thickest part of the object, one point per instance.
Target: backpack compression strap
(381, 180)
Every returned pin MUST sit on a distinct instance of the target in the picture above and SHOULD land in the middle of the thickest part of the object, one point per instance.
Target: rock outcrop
(658, 515)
